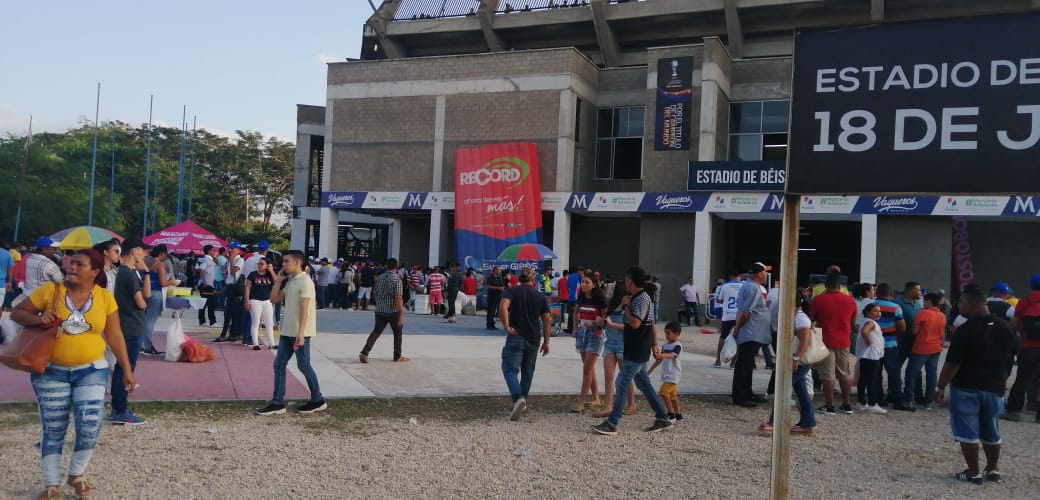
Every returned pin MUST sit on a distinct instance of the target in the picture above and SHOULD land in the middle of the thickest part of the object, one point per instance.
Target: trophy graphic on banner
(675, 68)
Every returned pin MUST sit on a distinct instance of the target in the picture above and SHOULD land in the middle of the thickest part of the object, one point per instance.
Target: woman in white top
(806, 425)
(870, 349)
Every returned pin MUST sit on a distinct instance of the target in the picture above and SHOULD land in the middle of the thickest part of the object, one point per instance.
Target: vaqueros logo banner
(497, 200)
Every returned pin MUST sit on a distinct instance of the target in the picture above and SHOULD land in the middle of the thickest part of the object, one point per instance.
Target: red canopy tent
(184, 237)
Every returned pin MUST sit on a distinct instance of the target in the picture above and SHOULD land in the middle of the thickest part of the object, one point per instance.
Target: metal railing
(413, 10)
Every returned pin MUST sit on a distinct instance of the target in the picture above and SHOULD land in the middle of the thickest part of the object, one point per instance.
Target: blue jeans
(518, 358)
(492, 309)
(323, 296)
(930, 362)
(218, 287)
(633, 371)
(973, 415)
(807, 415)
(303, 362)
(58, 389)
(893, 363)
(151, 315)
(120, 396)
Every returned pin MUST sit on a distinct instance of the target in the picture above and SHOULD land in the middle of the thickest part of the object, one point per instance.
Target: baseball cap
(1001, 287)
(235, 245)
(263, 245)
(833, 267)
(44, 242)
(758, 267)
(132, 243)
(1034, 282)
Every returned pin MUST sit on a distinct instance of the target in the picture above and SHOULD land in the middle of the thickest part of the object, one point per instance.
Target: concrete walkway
(446, 360)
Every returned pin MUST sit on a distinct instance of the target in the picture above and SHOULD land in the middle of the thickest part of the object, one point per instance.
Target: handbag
(31, 350)
(816, 351)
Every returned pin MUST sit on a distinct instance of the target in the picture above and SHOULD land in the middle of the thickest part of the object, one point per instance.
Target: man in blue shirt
(751, 332)
(573, 281)
(910, 304)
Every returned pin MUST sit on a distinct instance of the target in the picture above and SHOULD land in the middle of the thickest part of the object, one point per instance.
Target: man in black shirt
(522, 308)
(976, 370)
(494, 285)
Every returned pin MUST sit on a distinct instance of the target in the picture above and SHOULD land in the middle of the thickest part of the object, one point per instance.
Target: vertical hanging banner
(497, 200)
(674, 98)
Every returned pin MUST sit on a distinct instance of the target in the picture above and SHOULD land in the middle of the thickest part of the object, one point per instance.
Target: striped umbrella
(527, 251)
(80, 237)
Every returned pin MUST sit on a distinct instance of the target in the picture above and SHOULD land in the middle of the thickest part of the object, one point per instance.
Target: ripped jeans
(81, 388)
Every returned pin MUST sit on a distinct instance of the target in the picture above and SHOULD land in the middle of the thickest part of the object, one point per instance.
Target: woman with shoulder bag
(806, 425)
(77, 374)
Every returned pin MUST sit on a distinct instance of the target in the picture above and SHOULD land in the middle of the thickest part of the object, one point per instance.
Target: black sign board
(764, 175)
(674, 102)
(949, 106)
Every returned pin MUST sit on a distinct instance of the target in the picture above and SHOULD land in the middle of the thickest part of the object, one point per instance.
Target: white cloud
(15, 122)
(323, 59)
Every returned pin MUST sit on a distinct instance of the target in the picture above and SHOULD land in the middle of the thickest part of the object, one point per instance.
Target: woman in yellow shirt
(78, 373)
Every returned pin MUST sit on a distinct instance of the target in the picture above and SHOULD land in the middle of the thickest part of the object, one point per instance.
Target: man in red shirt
(835, 313)
(928, 329)
(1027, 323)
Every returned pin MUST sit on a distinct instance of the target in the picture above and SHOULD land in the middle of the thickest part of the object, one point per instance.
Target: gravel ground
(467, 448)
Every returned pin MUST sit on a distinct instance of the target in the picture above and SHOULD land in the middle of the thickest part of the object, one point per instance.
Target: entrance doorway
(821, 244)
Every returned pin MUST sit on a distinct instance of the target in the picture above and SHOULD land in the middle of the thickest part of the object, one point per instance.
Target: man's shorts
(973, 415)
(364, 292)
(436, 297)
(586, 340)
(836, 363)
(668, 390)
(727, 326)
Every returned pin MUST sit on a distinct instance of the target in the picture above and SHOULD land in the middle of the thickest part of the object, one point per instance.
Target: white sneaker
(875, 409)
(518, 409)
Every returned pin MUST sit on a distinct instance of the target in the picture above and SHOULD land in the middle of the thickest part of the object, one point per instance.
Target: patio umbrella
(527, 251)
(80, 237)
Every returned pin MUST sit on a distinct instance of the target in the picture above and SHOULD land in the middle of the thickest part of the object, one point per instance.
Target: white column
(436, 220)
(868, 250)
(561, 239)
(702, 253)
(438, 144)
(298, 238)
(328, 237)
(395, 239)
(565, 144)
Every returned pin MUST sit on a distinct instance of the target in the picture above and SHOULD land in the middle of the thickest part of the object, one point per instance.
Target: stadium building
(660, 130)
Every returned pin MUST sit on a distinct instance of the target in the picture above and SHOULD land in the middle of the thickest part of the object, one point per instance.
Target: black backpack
(1031, 327)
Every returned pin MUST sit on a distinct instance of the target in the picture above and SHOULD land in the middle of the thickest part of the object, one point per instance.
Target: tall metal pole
(191, 175)
(778, 486)
(93, 160)
(21, 183)
(180, 170)
(147, 168)
(112, 185)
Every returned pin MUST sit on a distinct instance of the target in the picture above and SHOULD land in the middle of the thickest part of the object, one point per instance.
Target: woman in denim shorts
(589, 336)
(613, 350)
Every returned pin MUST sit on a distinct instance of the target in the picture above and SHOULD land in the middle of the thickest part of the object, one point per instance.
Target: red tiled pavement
(237, 372)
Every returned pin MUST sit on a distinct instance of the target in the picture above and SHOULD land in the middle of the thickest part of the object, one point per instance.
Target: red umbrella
(184, 238)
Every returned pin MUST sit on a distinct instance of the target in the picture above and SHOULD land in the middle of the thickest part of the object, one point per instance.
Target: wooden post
(784, 335)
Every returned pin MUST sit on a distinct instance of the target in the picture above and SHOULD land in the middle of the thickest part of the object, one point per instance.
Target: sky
(236, 64)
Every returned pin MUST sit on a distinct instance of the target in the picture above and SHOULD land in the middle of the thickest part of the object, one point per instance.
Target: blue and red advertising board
(497, 200)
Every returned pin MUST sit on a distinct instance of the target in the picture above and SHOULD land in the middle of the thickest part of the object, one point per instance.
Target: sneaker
(846, 409)
(220, 339)
(312, 407)
(928, 407)
(904, 407)
(271, 409)
(1011, 416)
(874, 409)
(826, 410)
(803, 431)
(256, 348)
(605, 429)
(127, 418)
(659, 425)
(671, 417)
(717, 365)
(992, 475)
(153, 351)
(518, 409)
(966, 476)
(678, 417)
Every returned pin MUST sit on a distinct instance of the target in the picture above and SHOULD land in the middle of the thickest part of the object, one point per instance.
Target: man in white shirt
(207, 269)
(691, 295)
(726, 296)
(40, 268)
(324, 275)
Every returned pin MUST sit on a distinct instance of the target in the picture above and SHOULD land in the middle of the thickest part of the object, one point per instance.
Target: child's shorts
(587, 340)
(668, 390)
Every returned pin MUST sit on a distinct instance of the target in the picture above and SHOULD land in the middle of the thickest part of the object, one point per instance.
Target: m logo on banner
(415, 200)
(579, 201)
(1024, 205)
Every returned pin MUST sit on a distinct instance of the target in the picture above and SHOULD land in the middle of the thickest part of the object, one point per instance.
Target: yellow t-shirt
(820, 288)
(89, 346)
(16, 256)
